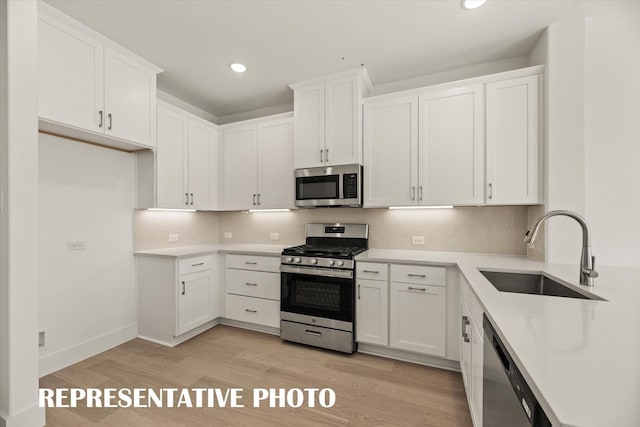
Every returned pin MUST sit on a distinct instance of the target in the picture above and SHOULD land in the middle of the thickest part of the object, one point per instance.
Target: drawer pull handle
(465, 322)
(250, 262)
(371, 271)
(250, 284)
(250, 311)
(184, 288)
(417, 275)
(195, 265)
(411, 288)
(314, 333)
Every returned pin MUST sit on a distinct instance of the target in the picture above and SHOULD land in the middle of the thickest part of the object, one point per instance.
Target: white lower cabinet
(372, 321)
(417, 318)
(252, 289)
(471, 350)
(177, 296)
(402, 307)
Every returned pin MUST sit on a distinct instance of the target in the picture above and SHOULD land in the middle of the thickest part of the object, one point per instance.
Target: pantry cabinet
(187, 149)
(513, 147)
(434, 141)
(92, 89)
(328, 119)
(258, 164)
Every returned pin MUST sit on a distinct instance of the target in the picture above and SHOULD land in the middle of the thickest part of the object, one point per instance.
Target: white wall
(87, 299)
(18, 215)
(592, 138)
(612, 131)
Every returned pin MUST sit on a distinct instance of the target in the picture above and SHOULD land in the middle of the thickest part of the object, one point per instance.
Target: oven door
(325, 295)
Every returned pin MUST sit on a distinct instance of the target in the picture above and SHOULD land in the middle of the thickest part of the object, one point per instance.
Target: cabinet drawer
(420, 275)
(253, 310)
(252, 262)
(193, 264)
(259, 284)
(371, 271)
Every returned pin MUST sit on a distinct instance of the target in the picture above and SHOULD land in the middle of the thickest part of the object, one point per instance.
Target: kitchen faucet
(587, 261)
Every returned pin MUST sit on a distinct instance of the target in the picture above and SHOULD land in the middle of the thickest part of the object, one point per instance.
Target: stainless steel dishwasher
(507, 399)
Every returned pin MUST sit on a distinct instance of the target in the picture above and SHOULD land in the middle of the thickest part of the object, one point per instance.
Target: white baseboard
(251, 326)
(73, 354)
(184, 337)
(33, 416)
(407, 356)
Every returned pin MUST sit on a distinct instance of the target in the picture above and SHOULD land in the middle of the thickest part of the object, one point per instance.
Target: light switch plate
(228, 235)
(417, 240)
(174, 237)
(275, 236)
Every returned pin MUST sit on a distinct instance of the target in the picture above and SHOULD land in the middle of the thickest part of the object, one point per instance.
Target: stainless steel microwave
(329, 186)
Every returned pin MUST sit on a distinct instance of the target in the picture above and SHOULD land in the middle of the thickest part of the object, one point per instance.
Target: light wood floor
(370, 391)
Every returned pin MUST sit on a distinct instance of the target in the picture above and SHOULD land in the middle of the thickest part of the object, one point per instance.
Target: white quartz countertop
(580, 357)
(195, 250)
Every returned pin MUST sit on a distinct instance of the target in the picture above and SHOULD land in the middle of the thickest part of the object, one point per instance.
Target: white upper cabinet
(391, 152)
(275, 164)
(328, 119)
(424, 149)
(451, 147)
(473, 142)
(92, 89)
(258, 164)
(70, 77)
(240, 145)
(187, 147)
(512, 142)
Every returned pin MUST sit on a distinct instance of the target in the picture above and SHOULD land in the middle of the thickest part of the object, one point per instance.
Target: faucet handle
(591, 271)
(526, 236)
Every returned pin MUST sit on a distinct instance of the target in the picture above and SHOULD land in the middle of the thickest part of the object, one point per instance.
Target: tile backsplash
(495, 229)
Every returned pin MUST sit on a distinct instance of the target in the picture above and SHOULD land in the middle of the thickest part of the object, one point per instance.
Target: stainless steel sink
(535, 284)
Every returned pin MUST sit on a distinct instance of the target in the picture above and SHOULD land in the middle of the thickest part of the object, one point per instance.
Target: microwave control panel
(350, 186)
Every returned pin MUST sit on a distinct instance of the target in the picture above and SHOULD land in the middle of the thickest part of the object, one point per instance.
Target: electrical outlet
(174, 237)
(417, 240)
(275, 236)
(228, 234)
(41, 339)
(79, 245)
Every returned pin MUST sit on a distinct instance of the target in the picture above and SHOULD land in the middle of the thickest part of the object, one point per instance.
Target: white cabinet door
(342, 144)
(371, 312)
(275, 164)
(240, 167)
(308, 106)
(70, 76)
(451, 147)
(512, 142)
(200, 146)
(418, 316)
(391, 152)
(193, 301)
(129, 99)
(171, 159)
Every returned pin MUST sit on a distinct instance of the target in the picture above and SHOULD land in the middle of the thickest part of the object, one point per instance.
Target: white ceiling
(286, 41)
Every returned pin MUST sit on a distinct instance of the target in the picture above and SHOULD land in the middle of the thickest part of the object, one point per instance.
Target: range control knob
(289, 259)
(298, 260)
(314, 261)
(340, 263)
(332, 262)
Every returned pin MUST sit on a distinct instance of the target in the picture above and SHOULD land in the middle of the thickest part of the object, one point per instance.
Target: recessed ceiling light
(238, 68)
(472, 4)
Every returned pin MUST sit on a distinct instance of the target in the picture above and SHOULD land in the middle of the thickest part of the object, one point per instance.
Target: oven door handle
(343, 274)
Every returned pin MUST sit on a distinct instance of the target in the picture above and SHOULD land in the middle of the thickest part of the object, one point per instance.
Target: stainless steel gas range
(317, 302)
